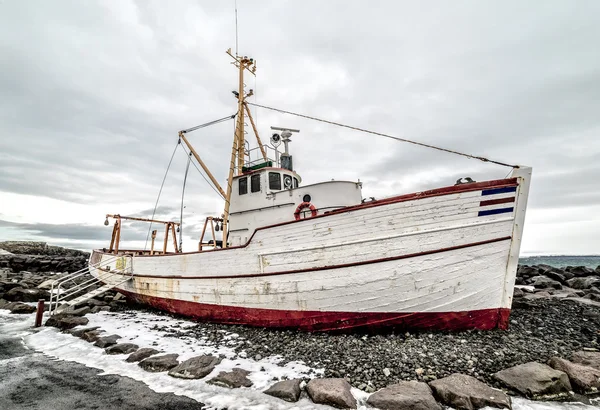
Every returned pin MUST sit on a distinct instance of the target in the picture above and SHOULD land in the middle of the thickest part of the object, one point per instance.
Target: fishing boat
(320, 257)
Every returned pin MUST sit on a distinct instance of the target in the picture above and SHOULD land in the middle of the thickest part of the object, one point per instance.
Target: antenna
(236, 30)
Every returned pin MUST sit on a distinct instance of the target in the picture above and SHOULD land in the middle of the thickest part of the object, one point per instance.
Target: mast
(238, 147)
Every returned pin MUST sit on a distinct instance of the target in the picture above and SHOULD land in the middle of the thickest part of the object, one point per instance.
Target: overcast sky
(93, 94)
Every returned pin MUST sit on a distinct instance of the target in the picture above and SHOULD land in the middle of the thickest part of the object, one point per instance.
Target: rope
(197, 127)
(160, 191)
(187, 168)
(385, 135)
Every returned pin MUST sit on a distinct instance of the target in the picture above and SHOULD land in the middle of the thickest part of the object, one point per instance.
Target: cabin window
(274, 180)
(295, 182)
(243, 186)
(255, 183)
(287, 182)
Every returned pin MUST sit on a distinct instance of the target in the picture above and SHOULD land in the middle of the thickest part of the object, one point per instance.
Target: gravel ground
(539, 330)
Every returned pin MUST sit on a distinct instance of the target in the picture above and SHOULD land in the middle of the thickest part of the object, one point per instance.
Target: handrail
(73, 275)
(56, 298)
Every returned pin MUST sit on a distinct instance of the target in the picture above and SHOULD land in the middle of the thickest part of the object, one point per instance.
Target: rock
(517, 293)
(46, 285)
(584, 282)
(234, 379)
(557, 275)
(141, 354)
(584, 379)
(6, 285)
(581, 271)
(95, 302)
(591, 359)
(386, 372)
(196, 367)
(122, 348)
(82, 311)
(535, 380)
(20, 294)
(106, 341)
(464, 392)
(80, 332)
(159, 363)
(97, 309)
(334, 392)
(64, 322)
(406, 395)
(92, 335)
(21, 308)
(288, 390)
(542, 282)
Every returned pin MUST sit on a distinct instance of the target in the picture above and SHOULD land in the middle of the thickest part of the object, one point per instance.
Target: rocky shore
(551, 350)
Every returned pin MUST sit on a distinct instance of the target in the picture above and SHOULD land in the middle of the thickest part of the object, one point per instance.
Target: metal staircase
(63, 298)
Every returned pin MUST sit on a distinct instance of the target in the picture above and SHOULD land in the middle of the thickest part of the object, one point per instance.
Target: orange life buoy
(304, 205)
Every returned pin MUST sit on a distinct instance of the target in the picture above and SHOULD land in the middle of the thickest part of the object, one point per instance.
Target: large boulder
(406, 395)
(20, 294)
(288, 390)
(584, 282)
(581, 271)
(234, 379)
(196, 367)
(159, 363)
(21, 308)
(535, 380)
(106, 341)
(81, 331)
(65, 322)
(122, 348)
(543, 282)
(141, 354)
(464, 392)
(558, 275)
(6, 285)
(334, 392)
(591, 359)
(92, 336)
(584, 379)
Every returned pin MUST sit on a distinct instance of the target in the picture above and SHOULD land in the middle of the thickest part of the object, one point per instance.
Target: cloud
(94, 96)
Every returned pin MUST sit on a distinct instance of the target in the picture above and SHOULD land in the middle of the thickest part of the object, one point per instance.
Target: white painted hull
(441, 260)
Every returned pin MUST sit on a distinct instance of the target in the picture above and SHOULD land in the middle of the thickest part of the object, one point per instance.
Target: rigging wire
(197, 127)
(160, 191)
(384, 135)
(202, 174)
(187, 168)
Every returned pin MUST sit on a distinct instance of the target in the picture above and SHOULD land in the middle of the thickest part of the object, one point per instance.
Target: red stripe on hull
(314, 321)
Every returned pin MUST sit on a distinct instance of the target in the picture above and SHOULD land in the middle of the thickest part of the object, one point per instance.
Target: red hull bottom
(315, 321)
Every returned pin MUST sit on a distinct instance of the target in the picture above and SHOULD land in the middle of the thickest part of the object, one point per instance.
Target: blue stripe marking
(499, 190)
(495, 211)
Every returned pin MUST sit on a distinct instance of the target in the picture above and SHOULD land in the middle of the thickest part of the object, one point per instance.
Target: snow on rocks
(535, 380)
(410, 395)
(464, 392)
(334, 392)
